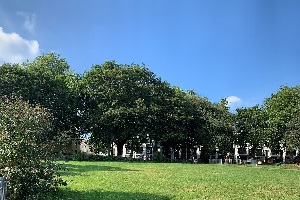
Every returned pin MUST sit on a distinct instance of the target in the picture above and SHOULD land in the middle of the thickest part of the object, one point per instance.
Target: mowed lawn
(126, 180)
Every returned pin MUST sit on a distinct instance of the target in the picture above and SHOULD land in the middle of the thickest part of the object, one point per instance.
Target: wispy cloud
(15, 49)
(234, 102)
(29, 23)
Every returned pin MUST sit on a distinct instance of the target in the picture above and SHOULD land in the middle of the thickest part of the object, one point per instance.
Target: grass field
(125, 180)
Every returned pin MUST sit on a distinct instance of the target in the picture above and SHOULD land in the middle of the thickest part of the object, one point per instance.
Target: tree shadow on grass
(73, 169)
(105, 195)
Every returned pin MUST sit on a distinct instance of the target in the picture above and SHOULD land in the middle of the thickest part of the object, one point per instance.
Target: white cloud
(15, 49)
(234, 102)
(29, 23)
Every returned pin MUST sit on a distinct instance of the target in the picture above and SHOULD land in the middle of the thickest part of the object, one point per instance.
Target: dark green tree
(120, 99)
(220, 131)
(13, 80)
(282, 109)
(251, 127)
(53, 85)
(292, 136)
(47, 81)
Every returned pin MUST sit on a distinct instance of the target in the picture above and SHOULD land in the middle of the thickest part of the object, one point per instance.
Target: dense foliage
(46, 81)
(127, 104)
(121, 99)
(283, 110)
(25, 149)
(251, 127)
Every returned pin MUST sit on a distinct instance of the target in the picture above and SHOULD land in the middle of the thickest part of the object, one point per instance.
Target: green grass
(125, 180)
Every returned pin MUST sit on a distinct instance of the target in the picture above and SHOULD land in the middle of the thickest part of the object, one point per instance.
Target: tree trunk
(109, 150)
(120, 148)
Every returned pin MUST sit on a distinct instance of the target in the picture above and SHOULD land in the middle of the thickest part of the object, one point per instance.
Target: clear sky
(242, 49)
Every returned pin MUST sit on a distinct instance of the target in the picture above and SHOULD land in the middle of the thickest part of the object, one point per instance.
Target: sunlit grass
(125, 180)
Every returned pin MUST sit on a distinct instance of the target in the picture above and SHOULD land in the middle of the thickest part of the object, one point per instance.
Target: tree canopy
(128, 104)
(283, 109)
(47, 81)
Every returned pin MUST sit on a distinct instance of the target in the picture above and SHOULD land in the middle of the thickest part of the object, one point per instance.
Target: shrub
(158, 157)
(25, 149)
(81, 157)
(90, 157)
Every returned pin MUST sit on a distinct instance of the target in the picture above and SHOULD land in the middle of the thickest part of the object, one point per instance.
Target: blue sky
(242, 49)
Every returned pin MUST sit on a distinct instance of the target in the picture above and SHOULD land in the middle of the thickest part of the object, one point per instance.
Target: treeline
(129, 104)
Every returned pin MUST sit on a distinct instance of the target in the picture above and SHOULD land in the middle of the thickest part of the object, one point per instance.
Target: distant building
(76, 145)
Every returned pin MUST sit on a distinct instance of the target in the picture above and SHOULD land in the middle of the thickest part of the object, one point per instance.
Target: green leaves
(251, 126)
(47, 81)
(283, 112)
(127, 102)
(25, 149)
(120, 99)
(119, 103)
(275, 124)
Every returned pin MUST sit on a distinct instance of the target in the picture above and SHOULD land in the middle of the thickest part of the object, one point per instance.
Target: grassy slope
(118, 180)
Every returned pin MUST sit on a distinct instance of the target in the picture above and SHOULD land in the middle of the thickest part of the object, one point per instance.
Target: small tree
(25, 149)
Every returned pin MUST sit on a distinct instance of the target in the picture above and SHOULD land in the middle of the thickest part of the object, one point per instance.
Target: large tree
(191, 121)
(282, 109)
(221, 128)
(48, 81)
(177, 122)
(292, 135)
(251, 126)
(120, 99)
(53, 84)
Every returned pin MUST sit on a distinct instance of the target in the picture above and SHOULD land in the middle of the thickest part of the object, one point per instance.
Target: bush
(81, 157)
(25, 150)
(90, 157)
(158, 157)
